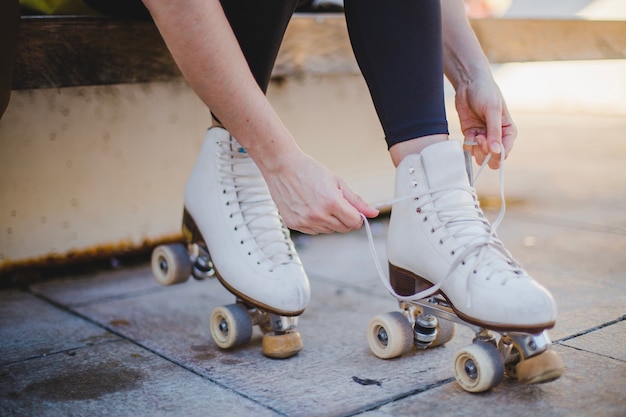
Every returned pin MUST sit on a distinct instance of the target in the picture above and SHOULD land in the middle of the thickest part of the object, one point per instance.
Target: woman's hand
(312, 199)
(485, 120)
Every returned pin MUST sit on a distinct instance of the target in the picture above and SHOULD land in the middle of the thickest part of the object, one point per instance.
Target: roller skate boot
(235, 233)
(446, 265)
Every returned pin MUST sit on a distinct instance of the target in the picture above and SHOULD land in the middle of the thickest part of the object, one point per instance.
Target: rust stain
(37, 267)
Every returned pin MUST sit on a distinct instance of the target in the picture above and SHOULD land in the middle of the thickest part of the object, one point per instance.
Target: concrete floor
(115, 343)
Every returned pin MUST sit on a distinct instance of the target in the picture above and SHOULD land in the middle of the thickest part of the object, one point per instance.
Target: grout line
(154, 352)
(592, 352)
(58, 352)
(398, 397)
(591, 330)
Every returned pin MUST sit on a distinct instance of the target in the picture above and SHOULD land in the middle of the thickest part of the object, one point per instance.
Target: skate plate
(428, 323)
(230, 325)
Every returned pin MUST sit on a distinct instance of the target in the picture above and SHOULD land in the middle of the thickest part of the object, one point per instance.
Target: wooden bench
(79, 51)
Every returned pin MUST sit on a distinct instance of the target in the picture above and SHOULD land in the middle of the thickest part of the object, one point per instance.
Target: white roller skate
(447, 265)
(234, 232)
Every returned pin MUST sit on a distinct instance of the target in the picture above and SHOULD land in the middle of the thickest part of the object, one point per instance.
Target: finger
(493, 118)
(509, 134)
(357, 201)
(478, 147)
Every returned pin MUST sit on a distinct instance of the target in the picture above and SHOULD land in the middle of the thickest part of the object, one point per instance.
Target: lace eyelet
(452, 253)
(418, 210)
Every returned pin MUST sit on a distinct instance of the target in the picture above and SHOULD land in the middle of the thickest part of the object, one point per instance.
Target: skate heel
(190, 230)
(406, 283)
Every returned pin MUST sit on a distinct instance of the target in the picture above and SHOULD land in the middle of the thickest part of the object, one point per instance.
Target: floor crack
(591, 330)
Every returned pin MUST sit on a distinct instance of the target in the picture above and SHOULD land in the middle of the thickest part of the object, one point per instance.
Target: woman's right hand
(312, 199)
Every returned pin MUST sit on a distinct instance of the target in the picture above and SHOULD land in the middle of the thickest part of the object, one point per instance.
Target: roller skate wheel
(445, 332)
(170, 264)
(231, 326)
(281, 346)
(389, 335)
(545, 367)
(478, 367)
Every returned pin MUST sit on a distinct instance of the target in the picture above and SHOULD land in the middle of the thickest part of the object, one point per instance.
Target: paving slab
(114, 379)
(592, 385)
(336, 374)
(583, 269)
(326, 378)
(30, 327)
(609, 341)
(98, 287)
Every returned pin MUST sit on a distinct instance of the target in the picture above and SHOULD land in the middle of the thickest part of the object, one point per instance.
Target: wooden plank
(66, 51)
(69, 51)
(321, 45)
(522, 40)
(318, 45)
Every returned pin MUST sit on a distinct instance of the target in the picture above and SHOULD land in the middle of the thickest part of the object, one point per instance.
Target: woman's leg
(398, 45)
(437, 233)
(259, 27)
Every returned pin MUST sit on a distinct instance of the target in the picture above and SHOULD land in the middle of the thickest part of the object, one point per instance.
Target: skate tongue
(445, 168)
(444, 164)
(456, 202)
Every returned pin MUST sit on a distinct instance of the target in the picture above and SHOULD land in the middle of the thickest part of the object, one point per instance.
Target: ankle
(413, 146)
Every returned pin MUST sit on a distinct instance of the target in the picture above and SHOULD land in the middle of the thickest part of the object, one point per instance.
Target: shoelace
(256, 206)
(478, 247)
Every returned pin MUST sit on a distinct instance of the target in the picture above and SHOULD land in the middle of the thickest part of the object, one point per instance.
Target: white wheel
(231, 326)
(170, 264)
(478, 367)
(445, 332)
(389, 335)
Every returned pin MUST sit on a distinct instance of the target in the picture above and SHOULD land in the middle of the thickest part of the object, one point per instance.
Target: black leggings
(397, 44)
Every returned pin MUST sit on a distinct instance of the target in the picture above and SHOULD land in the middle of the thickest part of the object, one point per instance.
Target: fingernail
(495, 147)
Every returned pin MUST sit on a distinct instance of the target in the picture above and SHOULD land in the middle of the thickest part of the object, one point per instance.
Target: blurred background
(97, 171)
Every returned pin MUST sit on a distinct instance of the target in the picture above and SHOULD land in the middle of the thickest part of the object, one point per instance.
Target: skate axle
(282, 324)
(425, 330)
(202, 265)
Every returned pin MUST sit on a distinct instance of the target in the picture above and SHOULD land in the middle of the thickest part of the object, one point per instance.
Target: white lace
(456, 218)
(260, 215)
